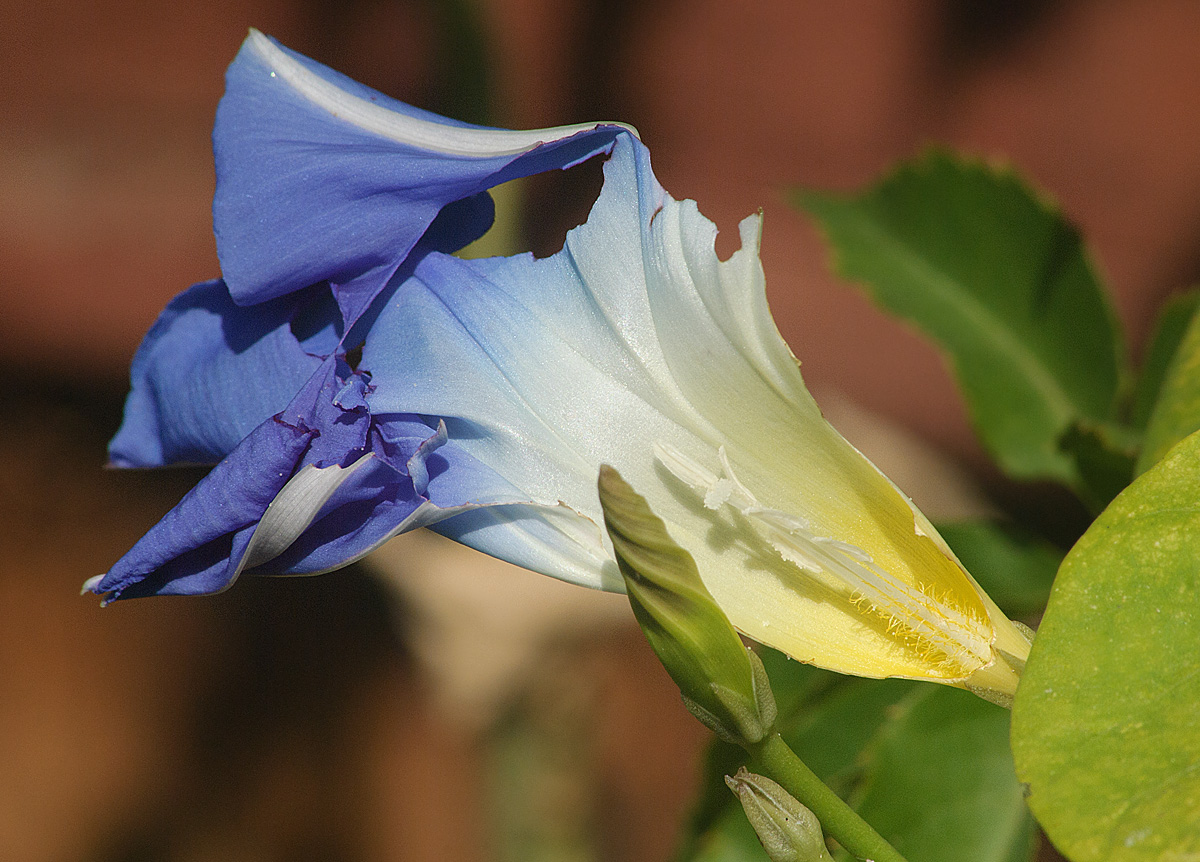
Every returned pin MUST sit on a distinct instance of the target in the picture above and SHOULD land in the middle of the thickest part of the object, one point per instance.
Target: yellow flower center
(941, 631)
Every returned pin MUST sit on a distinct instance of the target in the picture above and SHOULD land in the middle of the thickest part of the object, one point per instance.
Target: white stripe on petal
(449, 140)
(294, 509)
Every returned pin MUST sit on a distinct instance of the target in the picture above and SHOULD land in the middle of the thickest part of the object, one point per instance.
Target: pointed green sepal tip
(789, 832)
(722, 682)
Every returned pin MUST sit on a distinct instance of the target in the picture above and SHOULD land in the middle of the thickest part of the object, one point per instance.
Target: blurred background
(430, 703)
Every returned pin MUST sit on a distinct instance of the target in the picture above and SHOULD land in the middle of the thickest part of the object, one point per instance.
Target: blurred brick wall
(105, 181)
(105, 174)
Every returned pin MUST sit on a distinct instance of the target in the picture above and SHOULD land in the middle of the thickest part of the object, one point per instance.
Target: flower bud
(722, 682)
(789, 832)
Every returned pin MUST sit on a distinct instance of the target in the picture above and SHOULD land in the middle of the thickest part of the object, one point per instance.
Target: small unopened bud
(722, 682)
(789, 832)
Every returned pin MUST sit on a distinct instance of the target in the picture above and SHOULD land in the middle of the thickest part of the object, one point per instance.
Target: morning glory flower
(635, 346)
(326, 190)
(489, 392)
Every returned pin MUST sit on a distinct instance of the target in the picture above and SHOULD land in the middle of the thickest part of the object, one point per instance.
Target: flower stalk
(774, 758)
(723, 684)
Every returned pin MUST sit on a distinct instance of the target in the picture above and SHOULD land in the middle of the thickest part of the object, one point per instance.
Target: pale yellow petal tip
(997, 682)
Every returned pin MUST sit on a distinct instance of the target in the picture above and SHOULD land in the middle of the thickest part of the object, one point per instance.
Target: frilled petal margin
(320, 178)
(636, 346)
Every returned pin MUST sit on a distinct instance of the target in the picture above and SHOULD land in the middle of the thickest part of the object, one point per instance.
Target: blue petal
(332, 401)
(206, 375)
(539, 360)
(322, 179)
(544, 369)
(311, 489)
(197, 547)
(202, 544)
(439, 485)
(367, 510)
(553, 540)
(415, 479)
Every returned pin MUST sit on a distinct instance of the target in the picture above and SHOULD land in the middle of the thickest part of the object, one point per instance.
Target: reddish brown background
(107, 719)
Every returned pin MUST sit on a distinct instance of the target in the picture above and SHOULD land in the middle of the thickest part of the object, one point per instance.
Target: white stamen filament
(940, 631)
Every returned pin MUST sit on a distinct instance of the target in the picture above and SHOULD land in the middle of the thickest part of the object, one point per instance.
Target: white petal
(294, 509)
(636, 337)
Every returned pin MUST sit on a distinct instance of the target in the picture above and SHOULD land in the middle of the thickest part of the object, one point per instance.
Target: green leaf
(797, 686)
(1106, 724)
(1001, 281)
(1176, 412)
(1173, 321)
(1014, 567)
(832, 737)
(922, 761)
(1104, 455)
(941, 785)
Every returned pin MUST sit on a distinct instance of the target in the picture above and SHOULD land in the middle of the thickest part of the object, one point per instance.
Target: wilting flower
(489, 392)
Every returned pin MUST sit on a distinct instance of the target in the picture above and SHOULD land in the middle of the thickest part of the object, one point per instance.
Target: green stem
(774, 759)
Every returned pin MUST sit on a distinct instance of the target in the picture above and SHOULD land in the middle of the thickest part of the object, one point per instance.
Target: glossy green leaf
(1001, 281)
(1106, 724)
(1176, 412)
(941, 785)
(1012, 565)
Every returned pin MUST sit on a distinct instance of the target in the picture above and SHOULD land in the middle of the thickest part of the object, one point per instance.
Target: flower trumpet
(489, 392)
